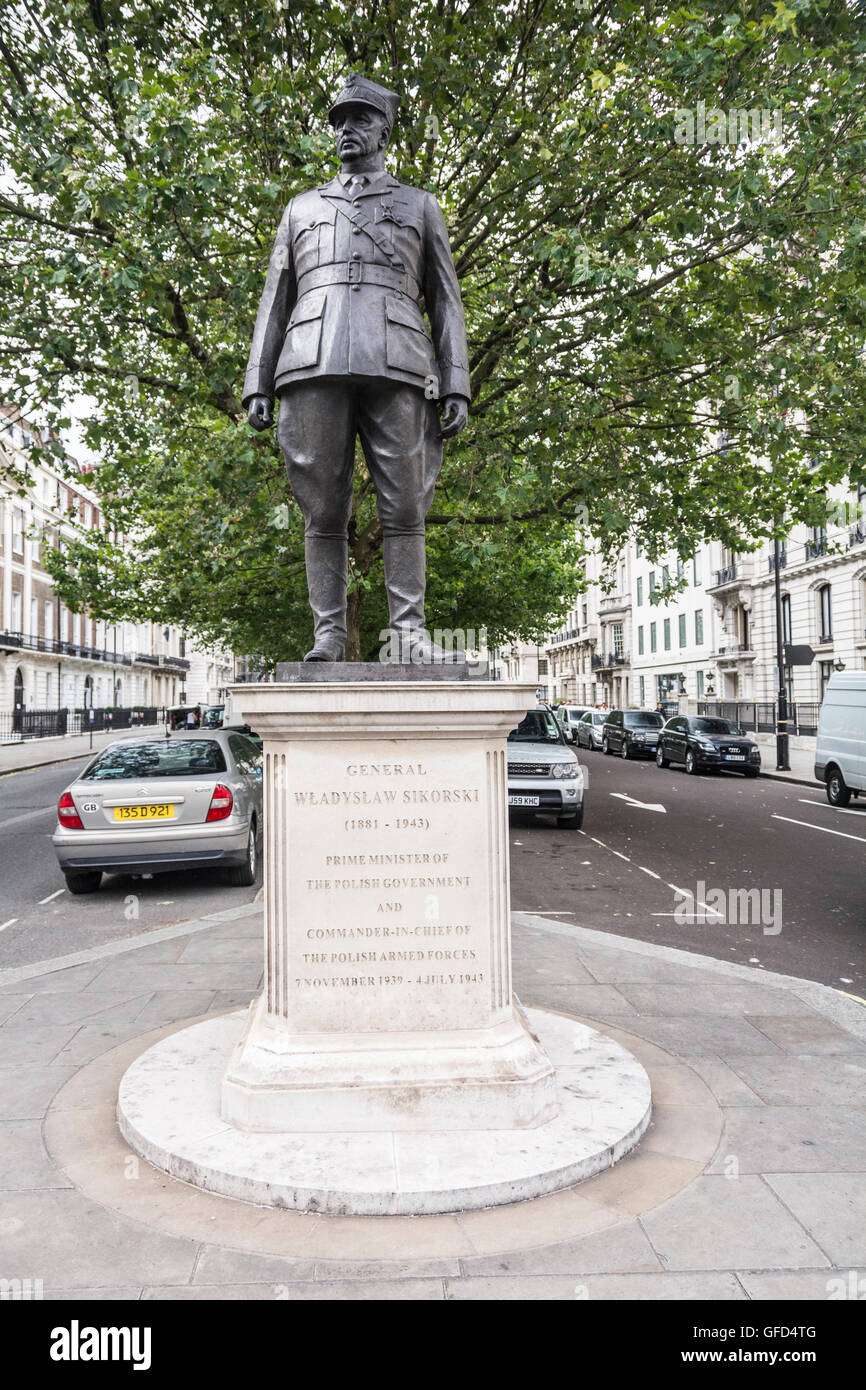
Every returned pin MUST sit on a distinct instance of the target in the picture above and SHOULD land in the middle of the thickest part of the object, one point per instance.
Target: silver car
(544, 776)
(155, 805)
(569, 717)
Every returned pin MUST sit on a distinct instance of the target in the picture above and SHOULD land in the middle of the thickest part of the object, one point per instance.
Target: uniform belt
(359, 273)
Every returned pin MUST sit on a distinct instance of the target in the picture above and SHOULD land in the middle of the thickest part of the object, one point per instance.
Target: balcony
(783, 562)
(177, 663)
(815, 549)
(857, 534)
(724, 577)
(147, 658)
(735, 651)
(613, 605)
(608, 662)
(22, 641)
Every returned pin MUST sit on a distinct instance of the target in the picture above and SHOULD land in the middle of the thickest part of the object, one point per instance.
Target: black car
(702, 742)
(631, 732)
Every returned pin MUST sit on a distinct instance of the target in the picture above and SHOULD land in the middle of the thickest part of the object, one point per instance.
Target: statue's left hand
(455, 413)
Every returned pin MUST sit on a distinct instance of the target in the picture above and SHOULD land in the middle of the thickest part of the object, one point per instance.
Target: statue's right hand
(260, 412)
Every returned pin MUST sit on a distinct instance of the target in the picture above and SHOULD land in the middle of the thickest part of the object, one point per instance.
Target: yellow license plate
(143, 812)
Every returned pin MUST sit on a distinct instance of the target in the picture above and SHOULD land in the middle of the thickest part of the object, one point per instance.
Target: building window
(616, 634)
(642, 692)
(681, 569)
(667, 632)
(17, 532)
(700, 685)
(638, 548)
(786, 617)
(682, 625)
(826, 673)
(639, 592)
(34, 617)
(666, 576)
(652, 582)
(825, 609)
(699, 628)
(640, 641)
(16, 610)
(653, 642)
(49, 618)
(696, 566)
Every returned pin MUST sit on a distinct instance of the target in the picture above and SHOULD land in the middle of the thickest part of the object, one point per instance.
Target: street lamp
(838, 664)
(782, 764)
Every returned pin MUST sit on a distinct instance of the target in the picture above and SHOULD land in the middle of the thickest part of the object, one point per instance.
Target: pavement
(39, 752)
(749, 1185)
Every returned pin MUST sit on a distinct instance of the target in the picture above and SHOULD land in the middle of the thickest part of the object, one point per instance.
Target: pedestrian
(190, 719)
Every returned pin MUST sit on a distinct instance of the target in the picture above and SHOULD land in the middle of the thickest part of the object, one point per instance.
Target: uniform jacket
(342, 300)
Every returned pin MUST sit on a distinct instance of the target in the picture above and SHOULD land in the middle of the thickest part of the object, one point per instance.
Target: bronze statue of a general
(341, 339)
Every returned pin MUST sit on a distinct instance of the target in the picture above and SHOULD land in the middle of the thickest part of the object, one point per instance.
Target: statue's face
(359, 130)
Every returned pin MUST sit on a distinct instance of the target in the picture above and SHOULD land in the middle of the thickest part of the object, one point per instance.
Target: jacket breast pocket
(313, 243)
(304, 334)
(408, 347)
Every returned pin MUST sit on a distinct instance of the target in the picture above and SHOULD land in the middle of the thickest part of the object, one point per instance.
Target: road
(40, 919)
(620, 872)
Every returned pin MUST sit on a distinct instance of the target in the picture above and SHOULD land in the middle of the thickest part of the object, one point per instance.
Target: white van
(840, 752)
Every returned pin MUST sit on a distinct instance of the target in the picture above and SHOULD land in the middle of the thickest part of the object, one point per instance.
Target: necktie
(355, 184)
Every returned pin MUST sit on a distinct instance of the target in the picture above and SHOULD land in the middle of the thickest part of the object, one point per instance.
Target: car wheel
(837, 793)
(571, 822)
(623, 752)
(605, 746)
(244, 876)
(84, 883)
(691, 763)
(661, 760)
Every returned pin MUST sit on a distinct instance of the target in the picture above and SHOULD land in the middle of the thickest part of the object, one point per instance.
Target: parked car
(569, 717)
(702, 742)
(840, 749)
(154, 805)
(544, 776)
(589, 729)
(631, 732)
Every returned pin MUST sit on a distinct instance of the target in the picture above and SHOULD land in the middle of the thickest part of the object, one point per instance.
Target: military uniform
(341, 339)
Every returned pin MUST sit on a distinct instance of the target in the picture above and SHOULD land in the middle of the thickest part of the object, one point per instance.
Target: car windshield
(598, 717)
(537, 726)
(715, 726)
(212, 718)
(576, 713)
(191, 757)
(642, 719)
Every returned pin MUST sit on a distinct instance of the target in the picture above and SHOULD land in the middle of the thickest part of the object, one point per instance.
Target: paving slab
(832, 1207)
(202, 975)
(805, 1080)
(62, 1236)
(26, 1092)
(374, 1291)
(793, 1139)
(24, 1162)
(805, 1035)
(805, 1285)
(726, 1086)
(622, 1247)
(629, 1287)
(726, 1223)
(695, 998)
(216, 1265)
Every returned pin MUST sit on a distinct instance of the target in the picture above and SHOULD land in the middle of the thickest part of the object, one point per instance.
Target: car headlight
(638, 738)
(571, 769)
(707, 746)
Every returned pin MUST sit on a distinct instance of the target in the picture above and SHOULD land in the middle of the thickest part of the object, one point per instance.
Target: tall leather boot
(405, 562)
(327, 561)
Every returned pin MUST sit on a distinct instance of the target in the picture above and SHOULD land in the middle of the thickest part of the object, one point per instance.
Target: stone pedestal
(388, 1002)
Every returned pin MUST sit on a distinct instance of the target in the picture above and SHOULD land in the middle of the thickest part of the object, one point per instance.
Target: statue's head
(362, 117)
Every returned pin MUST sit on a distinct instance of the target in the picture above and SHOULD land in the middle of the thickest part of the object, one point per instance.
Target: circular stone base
(168, 1110)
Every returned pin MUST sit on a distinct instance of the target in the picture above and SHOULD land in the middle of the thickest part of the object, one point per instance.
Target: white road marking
(9, 923)
(643, 805)
(550, 913)
(824, 829)
(51, 897)
(682, 892)
(845, 811)
(651, 872)
(26, 815)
